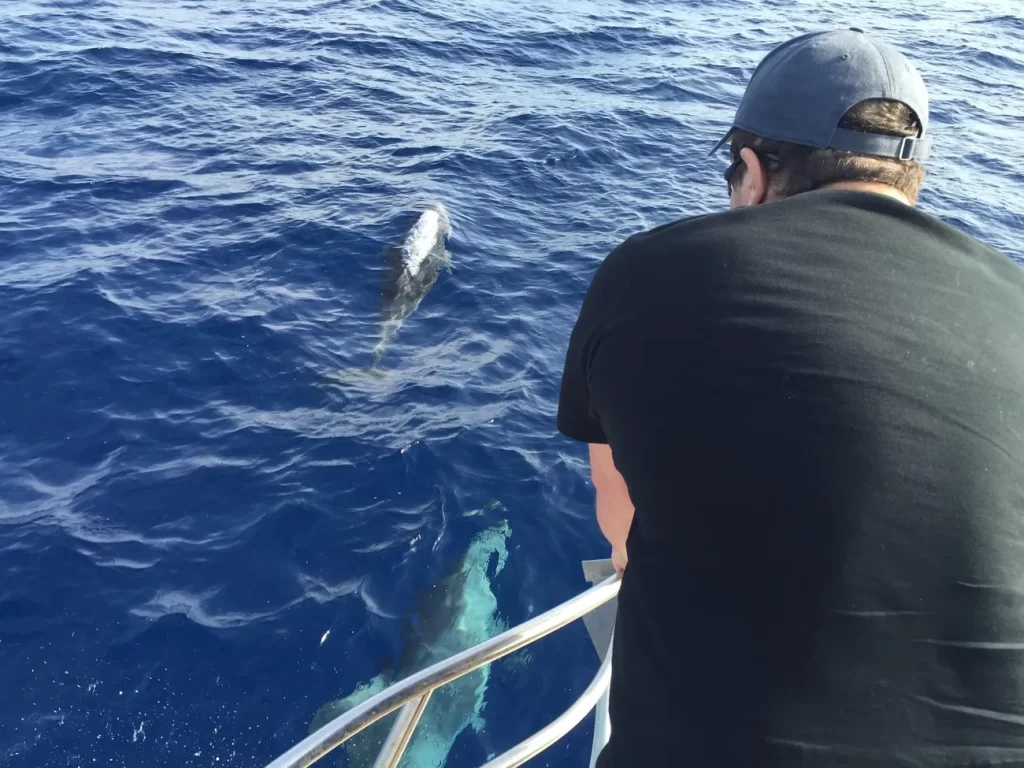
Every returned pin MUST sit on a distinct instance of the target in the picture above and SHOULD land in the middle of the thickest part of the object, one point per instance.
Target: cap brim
(722, 143)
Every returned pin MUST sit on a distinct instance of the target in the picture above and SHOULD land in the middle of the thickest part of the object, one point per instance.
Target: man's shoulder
(828, 227)
(681, 230)
(970, 247)
(714, 231)
(667, 243)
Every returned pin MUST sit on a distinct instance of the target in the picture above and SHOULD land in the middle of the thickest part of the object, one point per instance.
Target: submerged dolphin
(458, 613)
(411, 271)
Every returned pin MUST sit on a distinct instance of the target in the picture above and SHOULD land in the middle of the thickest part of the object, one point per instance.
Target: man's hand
(619, 559)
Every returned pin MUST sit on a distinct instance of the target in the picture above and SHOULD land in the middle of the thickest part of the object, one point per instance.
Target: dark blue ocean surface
(194, 198)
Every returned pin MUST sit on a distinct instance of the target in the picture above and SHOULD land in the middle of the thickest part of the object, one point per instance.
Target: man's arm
(614, 507)
(578, 416)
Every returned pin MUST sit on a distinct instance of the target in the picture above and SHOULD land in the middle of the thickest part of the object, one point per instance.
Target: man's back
(821, 426)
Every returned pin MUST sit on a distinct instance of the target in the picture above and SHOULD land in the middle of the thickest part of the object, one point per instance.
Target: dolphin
(457, 613)
(412, 268)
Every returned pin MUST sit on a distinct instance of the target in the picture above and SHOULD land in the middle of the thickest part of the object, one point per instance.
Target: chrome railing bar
(602, 722)
(401, 732)
(344, 727)
(545, 737)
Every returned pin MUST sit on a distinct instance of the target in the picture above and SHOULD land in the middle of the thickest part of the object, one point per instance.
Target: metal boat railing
(412, 694)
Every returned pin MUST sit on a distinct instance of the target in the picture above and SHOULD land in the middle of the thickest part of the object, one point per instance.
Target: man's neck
(870, 186)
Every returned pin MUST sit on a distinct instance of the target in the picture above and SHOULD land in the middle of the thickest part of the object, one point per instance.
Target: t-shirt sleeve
(577, 418)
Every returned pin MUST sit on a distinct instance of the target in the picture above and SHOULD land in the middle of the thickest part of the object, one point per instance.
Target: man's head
(829, 109)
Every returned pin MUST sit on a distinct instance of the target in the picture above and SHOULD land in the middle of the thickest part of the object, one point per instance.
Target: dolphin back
(411, 267)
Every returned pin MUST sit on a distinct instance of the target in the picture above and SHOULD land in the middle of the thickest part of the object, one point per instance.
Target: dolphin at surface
(459, 612)
(412, 268)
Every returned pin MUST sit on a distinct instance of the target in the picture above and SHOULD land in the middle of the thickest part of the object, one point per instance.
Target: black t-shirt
(818, 408)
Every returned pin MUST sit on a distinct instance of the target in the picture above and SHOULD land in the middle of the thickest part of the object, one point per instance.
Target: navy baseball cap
(802, 89)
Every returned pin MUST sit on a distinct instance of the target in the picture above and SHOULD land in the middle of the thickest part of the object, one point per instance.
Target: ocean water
(194, 199)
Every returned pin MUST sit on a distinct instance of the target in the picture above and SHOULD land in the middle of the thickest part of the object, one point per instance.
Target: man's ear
(753, 186)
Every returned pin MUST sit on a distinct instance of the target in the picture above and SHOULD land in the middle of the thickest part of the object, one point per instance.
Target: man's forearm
(614, 515)
(614, 507)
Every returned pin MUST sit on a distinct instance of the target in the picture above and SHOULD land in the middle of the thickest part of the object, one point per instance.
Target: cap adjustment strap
(899, 147)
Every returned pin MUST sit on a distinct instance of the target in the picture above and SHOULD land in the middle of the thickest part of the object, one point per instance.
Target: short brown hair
(802, 169)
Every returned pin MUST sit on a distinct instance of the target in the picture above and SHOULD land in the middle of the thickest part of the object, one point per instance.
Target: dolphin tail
(369, 373)
(355, 376)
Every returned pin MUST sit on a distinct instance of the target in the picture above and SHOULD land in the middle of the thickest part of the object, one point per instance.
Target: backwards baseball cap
(801, 90)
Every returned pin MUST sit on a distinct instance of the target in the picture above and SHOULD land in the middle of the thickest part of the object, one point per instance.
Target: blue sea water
(194, 197)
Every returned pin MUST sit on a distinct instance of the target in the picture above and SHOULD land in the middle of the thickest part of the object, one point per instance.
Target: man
(815, 402)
